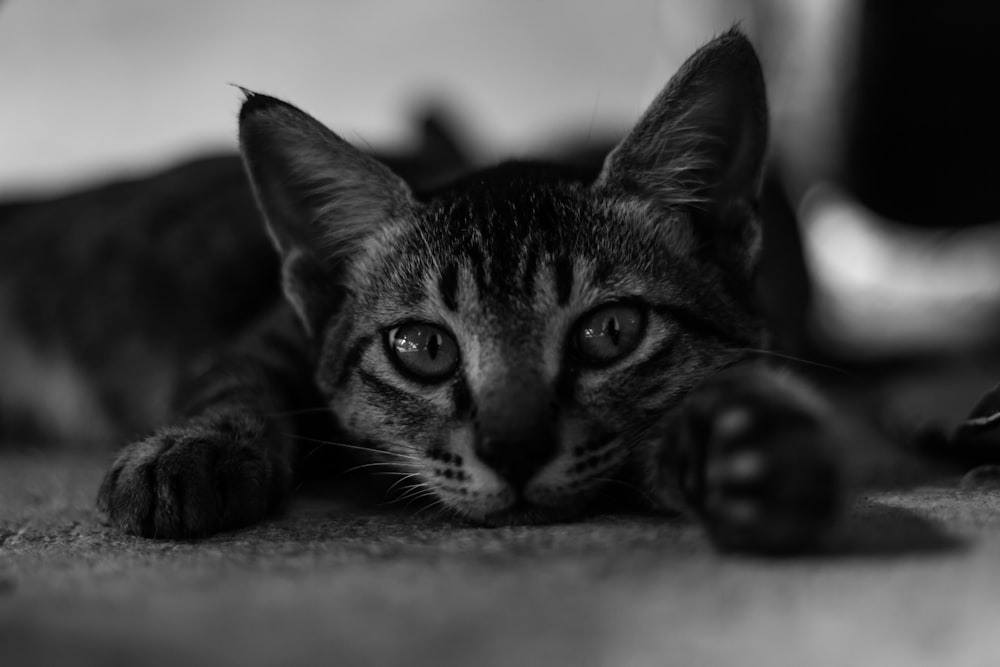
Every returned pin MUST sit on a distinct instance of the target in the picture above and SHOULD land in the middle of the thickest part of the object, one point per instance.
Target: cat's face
(515, 335)
(509, 340)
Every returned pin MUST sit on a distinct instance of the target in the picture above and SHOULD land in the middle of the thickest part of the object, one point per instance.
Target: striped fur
(508, 261)
(513, 267)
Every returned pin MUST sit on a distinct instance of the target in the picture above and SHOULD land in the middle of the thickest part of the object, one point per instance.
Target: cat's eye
(424, 351)
(609, 332)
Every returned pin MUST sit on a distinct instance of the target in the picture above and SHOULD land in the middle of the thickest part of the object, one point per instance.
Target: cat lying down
(515, 346)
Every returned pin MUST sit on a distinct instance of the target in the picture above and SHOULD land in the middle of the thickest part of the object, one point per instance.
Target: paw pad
(737, 468)
(732, 423)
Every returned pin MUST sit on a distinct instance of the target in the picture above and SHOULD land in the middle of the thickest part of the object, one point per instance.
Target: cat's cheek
(350, 417)
(383, 409)
(589, 454)
(571, 484)
(463, 482)
(480, 498)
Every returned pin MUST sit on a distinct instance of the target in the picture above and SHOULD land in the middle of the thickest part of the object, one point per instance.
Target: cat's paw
(759, 471)
(193, 480)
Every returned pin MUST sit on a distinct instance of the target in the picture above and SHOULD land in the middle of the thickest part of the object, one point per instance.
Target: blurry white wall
(109, 86)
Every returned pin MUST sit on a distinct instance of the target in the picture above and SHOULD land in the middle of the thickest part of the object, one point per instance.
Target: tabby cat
(518, 344)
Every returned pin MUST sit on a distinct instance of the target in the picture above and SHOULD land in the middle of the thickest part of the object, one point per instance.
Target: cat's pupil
(434, 346)
(612, 329)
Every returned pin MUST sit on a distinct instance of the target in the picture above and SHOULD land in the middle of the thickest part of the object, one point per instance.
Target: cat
(516, 345)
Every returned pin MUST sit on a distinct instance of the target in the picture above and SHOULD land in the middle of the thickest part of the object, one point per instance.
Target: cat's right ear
(321, 198)
(700, 147)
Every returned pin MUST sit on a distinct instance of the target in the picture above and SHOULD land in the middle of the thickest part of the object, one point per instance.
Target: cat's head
(510, 338)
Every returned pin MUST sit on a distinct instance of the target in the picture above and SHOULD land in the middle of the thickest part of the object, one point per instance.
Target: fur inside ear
(702, 140)
(321, 198)
(700, 145)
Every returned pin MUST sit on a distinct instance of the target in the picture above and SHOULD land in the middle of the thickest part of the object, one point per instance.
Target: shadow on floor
(884, 531)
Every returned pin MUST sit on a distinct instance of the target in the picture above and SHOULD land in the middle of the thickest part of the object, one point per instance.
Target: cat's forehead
(508, 229)
(509, 221)
(508, 208)
(508, 234)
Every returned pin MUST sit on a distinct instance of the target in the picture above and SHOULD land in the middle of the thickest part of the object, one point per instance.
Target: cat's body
(514, 345)
(104, 298)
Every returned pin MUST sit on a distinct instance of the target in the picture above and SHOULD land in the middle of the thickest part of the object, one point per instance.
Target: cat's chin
(524, 513)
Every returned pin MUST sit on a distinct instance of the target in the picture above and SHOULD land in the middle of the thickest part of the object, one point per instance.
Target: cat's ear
(700, 145)
(321, 198)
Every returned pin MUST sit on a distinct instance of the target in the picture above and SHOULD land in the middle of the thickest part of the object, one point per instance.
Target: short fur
(521, 277)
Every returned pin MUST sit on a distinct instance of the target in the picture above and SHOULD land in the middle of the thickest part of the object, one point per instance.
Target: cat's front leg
(754, 453)
(226, 460)
(215, 472)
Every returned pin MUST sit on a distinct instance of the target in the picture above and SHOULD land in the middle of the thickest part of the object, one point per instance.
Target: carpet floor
(911, 580)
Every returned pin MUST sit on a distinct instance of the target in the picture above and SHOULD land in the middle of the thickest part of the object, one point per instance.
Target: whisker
(377, 464)
(361, 448)
(417, 492)
(421, 491)
(411, 494)
(632, 487)
(405, 492)
(437, 506)
(414, 490)
(400, 481)
(791, 357)
(385, 450)
(421, 497)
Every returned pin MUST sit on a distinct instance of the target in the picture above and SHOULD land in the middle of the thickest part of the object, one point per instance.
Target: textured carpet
(911, 580)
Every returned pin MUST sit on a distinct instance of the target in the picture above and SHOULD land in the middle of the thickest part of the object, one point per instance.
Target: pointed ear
(700, 145)
(320, 196)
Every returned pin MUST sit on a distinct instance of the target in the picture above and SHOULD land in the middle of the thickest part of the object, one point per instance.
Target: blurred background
(881, 196)
(106, 86)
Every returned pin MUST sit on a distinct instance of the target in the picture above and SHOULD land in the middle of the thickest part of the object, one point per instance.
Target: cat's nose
(516, 460)
(516, 434)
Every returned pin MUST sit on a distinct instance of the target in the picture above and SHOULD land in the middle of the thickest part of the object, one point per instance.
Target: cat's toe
(181, 484)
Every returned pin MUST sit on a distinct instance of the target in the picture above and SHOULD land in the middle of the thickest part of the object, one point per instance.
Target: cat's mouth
(523, 512)
(562, 492)
(526, 510)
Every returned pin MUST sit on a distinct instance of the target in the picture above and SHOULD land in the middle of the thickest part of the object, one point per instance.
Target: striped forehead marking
(448, 286)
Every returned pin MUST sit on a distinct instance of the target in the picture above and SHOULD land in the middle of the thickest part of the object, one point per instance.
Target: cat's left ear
(322, 198)
(700, 147)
